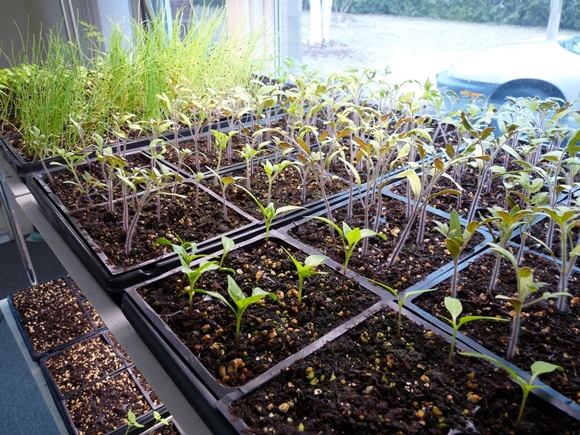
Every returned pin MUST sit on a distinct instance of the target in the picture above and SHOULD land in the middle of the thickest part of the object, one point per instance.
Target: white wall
(25, 14)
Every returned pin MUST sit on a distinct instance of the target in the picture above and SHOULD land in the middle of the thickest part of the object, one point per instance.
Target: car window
(572, 44)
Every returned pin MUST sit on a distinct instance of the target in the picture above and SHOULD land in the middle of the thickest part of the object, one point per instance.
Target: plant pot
(545, 334)
(369, 380)
(102, 406)
(90, 362)
(53, 315)
(195, 364)
(25, 168)
(94, 241)
(416, 262)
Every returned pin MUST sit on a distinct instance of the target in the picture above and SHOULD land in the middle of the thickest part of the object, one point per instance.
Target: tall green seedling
(456, 241)
(221, 143)
(566, 219)
(526, 287)
(154, 184)
(72, 161)
(224, 182)
(505, 222)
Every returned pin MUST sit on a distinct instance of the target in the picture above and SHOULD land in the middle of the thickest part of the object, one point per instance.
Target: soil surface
(415, 262)
(372, 381)
(52, 315)
(270, 330)
(546, 334)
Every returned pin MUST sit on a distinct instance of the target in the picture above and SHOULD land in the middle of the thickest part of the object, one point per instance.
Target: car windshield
(571, 44)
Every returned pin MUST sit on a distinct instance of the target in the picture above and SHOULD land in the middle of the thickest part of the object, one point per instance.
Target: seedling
(526, 286)
(506, 223)
(248, 154)
(193, 276)
(132, 422)
(187, 251)
(455, 308)
(159, 419)
(224, 181)
(349, 237)
(221, 143)
(306, 269)
(72, 161)
(566, 218)
(273, 171)
(401, 299)
(270, 212)
(538, 368)
(241, 301)
(456, 241)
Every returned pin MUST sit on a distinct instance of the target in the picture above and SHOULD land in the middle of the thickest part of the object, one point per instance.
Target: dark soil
(42, 297)
(546, 335)
(372, 381)
(271, 331)
(415, 261)
(102, 407)
(52, 315)
(287, 190)
(179, 217)
(55, 320)
(83, 363)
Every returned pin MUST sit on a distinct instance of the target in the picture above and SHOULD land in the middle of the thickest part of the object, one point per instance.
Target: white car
(544, 69)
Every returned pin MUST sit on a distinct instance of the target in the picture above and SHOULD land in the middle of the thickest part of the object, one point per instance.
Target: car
(548, 68)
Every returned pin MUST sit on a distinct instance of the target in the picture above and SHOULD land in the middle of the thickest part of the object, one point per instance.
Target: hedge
(518, 12)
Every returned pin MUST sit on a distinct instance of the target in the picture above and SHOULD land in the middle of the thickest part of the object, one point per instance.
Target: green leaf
(234, 290)
(314, 260)
(454, 307)
(414, 181)
(227, 243)
(540, 367)
(453, 247)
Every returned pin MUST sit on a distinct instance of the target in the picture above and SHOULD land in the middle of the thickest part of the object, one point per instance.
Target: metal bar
(15, 226)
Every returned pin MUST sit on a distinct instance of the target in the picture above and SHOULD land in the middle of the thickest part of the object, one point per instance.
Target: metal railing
(6, 199)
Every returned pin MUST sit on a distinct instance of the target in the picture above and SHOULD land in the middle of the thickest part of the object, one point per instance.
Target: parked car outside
(543, 69)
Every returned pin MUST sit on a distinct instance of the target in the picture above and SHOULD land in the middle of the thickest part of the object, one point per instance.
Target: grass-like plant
(538, 368)
(455, 308)
(349, 238)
